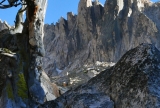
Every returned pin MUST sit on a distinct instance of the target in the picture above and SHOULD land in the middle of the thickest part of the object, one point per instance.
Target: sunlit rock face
(2, 25)
(133, 82)
(69, 40)
(99, 33)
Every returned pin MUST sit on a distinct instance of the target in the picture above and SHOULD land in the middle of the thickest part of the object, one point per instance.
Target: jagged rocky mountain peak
(85, 3)
(2, 25)
(70, 15)
(100, 33)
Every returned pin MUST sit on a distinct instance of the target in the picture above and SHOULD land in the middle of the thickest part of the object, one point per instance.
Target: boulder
(133, 82)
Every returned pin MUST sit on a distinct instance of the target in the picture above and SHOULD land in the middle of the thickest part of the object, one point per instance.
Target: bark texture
(35, 15)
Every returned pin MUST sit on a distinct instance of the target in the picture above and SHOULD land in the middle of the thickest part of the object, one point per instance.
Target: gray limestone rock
(2, 25)
(133, 82)
(37, 93)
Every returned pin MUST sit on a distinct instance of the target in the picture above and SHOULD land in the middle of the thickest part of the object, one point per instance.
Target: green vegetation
(9, 91)
(22, 86)
(5, 50)
(21, 70)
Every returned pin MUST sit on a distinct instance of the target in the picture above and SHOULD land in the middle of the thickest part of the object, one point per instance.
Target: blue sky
(55, 9)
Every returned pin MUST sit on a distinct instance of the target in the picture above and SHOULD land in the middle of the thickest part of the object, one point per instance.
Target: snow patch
(105, 64)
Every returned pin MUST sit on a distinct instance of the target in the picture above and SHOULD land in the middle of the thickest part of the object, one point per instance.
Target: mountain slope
(133, 82)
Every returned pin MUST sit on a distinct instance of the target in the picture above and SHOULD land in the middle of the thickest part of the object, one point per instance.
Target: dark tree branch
(11, 3)
(2, 2)
(9, 6)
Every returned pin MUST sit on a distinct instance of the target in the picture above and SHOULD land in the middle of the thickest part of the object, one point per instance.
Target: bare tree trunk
(35, 14)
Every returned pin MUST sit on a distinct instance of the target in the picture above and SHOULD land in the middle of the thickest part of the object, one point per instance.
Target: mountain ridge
(100, 33)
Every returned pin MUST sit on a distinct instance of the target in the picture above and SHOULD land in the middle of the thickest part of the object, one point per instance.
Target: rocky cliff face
(100, 33)
(132, 83)
(2, 25)
(14, 91)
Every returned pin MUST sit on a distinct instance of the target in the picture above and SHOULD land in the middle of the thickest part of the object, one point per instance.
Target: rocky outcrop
(99, 33)
(13, 82)
(133, 82)
(2, 25)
